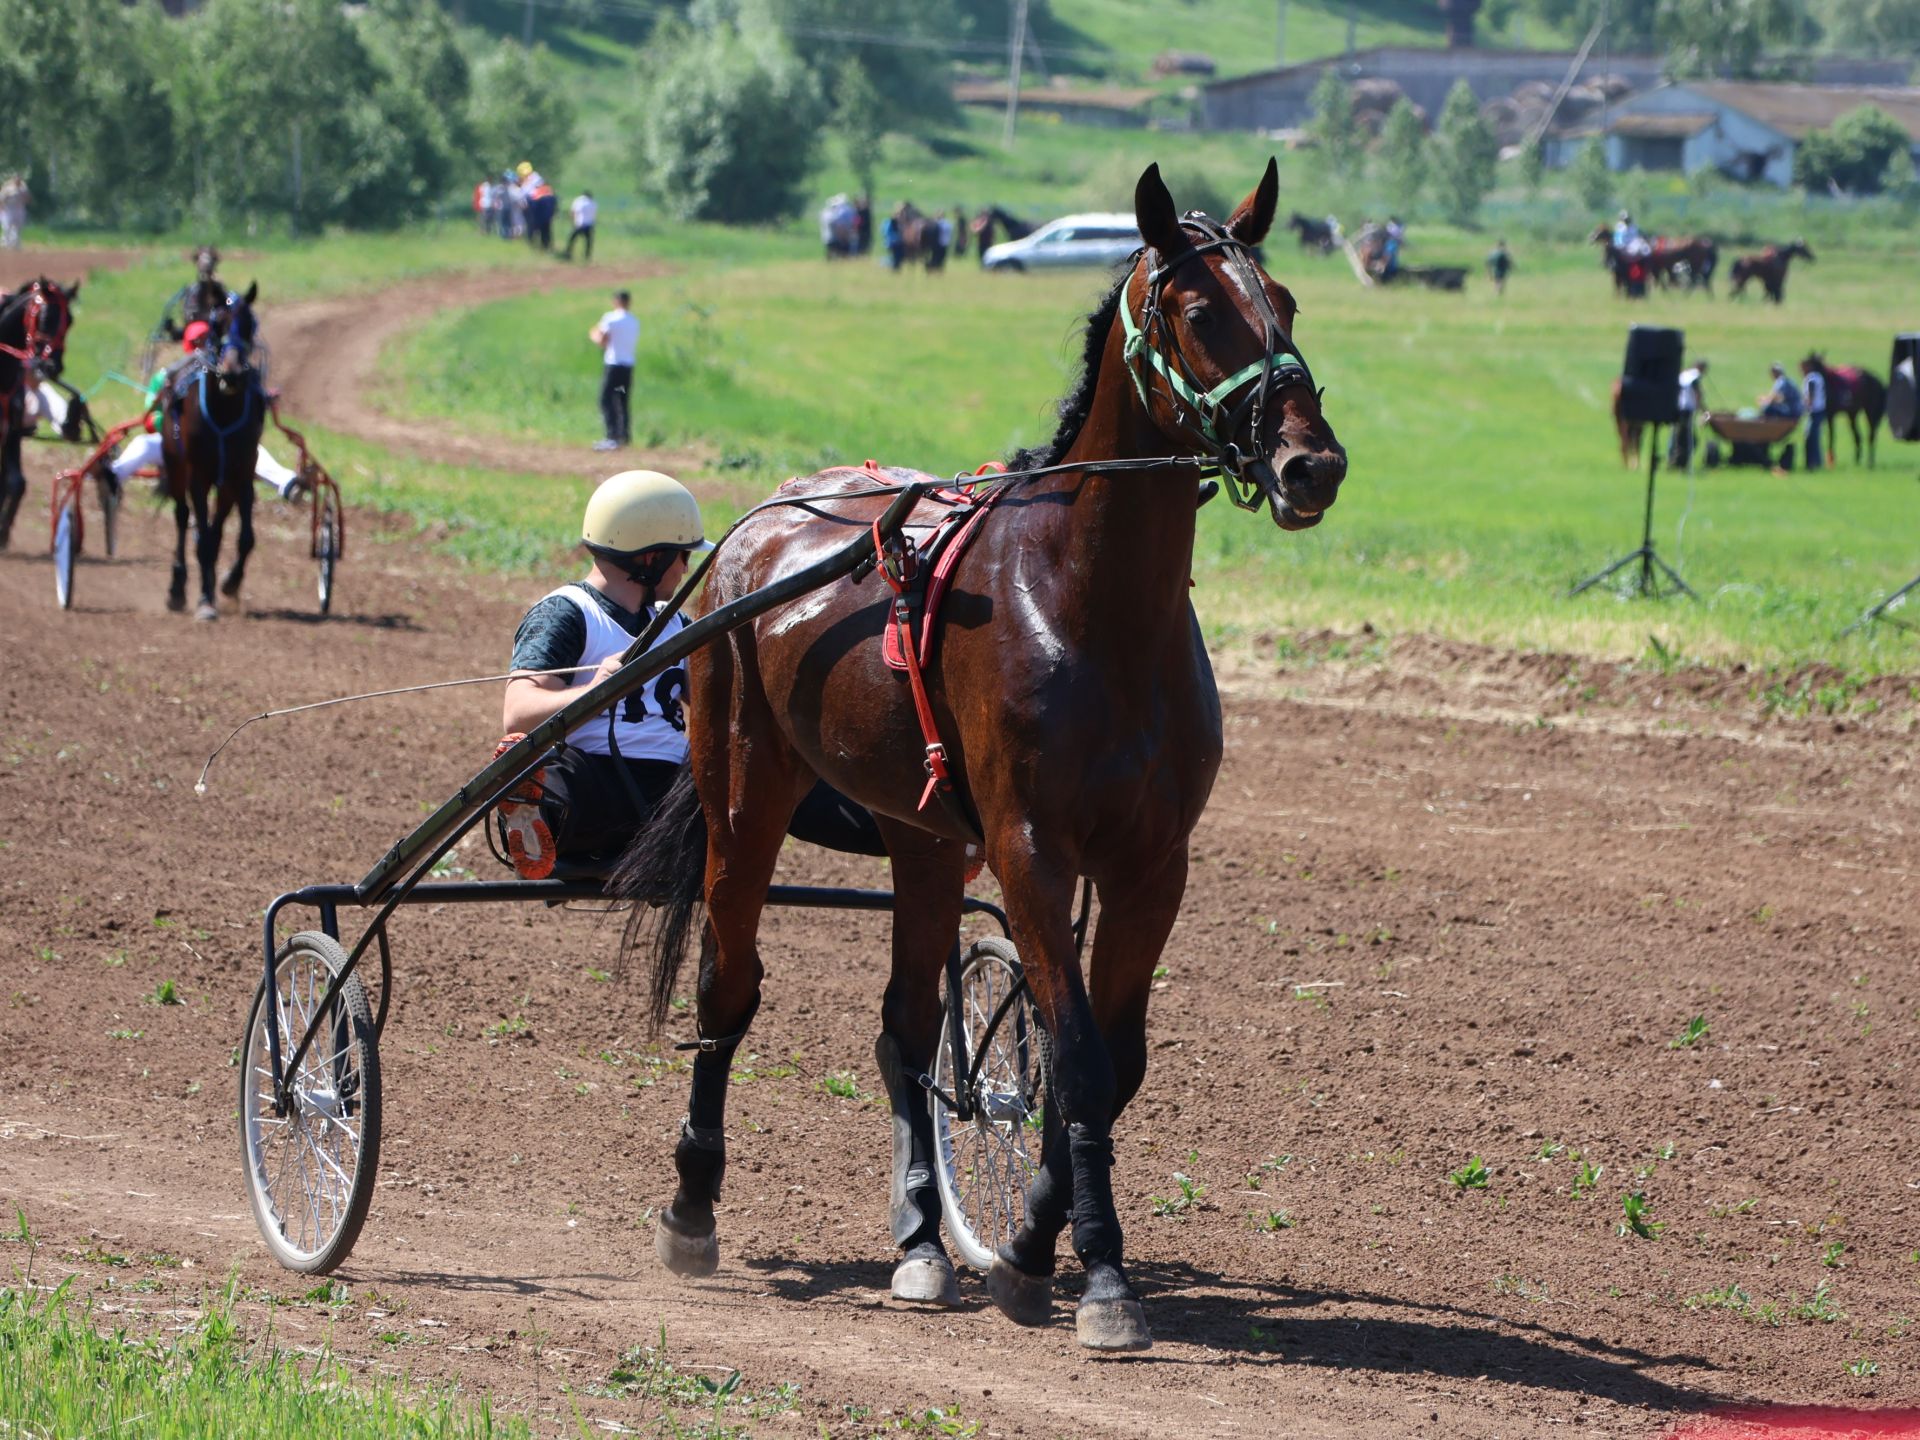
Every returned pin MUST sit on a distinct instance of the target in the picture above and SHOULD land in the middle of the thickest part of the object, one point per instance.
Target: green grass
(1484, 474)
(62, 1374)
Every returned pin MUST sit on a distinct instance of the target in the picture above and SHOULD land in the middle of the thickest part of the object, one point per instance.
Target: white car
(1070, 240)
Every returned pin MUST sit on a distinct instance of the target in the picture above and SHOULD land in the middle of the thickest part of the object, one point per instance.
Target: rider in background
(206, 264)
(1626, 235)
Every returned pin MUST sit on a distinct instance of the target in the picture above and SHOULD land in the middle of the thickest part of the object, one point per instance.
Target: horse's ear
(1251, 221)
(1153, 211)
(73, 292)
(253, 292)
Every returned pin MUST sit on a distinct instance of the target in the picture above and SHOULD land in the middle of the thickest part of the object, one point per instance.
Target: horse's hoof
(176, 603)
(693, 1257)
(205, 611)
(1112, 1325)
(230, 587)
(1024, 1299)
(926, 1282)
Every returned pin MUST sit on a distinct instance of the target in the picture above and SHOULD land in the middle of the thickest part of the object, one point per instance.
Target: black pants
(581, 232)
(614, 388)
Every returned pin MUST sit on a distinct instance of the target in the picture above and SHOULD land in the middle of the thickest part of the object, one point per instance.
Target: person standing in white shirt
(584, 212)
(617, 333)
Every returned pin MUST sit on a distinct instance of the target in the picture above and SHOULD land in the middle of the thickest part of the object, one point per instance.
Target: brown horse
(1618, 265)
(1684, 264)
(1628, 430)
(1078, 714)
(1853, 393)
(209, 440)
(920, 237)
(1769, 267)
(33, 338)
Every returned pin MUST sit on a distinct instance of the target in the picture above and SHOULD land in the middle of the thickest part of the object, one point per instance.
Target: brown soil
(1444, 904)
(19, 266)
(327, 361)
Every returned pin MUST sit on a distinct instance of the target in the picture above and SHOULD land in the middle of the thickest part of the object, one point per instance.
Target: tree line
(301, 111)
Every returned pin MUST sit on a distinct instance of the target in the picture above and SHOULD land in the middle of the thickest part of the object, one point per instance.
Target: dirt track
(1505, 884)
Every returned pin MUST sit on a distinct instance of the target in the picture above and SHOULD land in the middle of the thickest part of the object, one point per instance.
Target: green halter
(1206, 404)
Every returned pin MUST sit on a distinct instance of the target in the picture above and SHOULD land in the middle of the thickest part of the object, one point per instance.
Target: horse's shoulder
(849, 479)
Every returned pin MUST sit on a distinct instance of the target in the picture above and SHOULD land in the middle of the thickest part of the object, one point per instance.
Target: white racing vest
(651, 723)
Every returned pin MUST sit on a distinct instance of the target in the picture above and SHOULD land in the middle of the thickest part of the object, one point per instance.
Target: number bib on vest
(650, 723)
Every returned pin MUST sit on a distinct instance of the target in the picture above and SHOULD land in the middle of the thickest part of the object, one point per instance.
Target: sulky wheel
(66, 546)
(985, 1161)
(310, 1171)
(326, 545)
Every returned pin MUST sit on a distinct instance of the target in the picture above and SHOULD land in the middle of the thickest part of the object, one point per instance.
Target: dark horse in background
(1078, 712)
(988, 221)
(1854, 393)
(1684, 264)
(1619, 264)
(1769, 267)
(216, 408)
(920, 240)
(1316, 235)
(33, 339)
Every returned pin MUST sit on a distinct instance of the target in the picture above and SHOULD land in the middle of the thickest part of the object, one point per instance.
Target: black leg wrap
(915, 1209)
(701, 1159)
(1096, 1227)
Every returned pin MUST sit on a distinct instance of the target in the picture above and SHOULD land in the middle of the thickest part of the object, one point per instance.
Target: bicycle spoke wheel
(985, 1162)
(328, 552)
(66, 548)
(310, 1171)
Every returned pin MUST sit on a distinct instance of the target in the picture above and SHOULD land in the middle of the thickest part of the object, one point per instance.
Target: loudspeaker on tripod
(1903, 388)
(1650, 376)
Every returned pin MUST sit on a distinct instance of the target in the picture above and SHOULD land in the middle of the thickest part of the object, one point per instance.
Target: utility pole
(1016, 49)
(1280, 38)
(1039, 57)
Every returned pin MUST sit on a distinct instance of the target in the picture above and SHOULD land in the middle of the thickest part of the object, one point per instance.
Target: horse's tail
(662, 873)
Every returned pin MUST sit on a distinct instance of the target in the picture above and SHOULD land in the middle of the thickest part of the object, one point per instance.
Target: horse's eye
(1199, 317)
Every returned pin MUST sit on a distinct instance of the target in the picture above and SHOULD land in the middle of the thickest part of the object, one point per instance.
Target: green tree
(1899, 183)
(1852, 154)
(1336, 140)
(1631, 24)
(417, 45)
(1721, 37)
(859, 114)
(1533, 166)
(1465, 156)
(1885, 26)
(730, 124)
(1589, 176)
(521, 110)
(1403, 155)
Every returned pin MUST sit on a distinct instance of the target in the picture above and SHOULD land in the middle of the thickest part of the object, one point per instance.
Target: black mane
(1078, 402)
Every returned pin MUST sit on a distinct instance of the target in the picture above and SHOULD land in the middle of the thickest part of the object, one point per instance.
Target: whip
(200, 785)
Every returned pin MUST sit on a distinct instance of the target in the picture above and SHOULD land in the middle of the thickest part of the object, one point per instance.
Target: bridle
(42, 341)
(1204, 413)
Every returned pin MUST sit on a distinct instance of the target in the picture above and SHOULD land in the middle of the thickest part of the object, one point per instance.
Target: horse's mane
(1078, 402)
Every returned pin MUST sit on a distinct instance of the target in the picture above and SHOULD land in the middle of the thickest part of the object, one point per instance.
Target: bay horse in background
(1314, 234)
(1684, 264)
(1852, 392)
(1075, 705)
(987, 221)
(34, 321)
(215, 410)
(1769, 267)
(1617, 263)
(1629, 431)
(920, 237)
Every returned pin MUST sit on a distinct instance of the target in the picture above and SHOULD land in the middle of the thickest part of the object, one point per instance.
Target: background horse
(920, 237)
(1852, 392)
(1076, 708)
(210, 439)
(988, 220)
(1685, 264)
(1627, 430)
(1314, 234)
(33, 339)
(1769, 267)
(1617, 262)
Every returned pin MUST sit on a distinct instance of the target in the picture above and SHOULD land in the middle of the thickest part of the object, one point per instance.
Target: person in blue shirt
(1782, 398)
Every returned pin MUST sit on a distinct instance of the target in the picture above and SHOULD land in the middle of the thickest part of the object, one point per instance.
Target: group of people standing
(520, 204)
(1784, 398)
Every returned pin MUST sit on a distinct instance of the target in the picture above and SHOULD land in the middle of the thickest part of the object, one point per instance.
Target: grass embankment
(1484, 474)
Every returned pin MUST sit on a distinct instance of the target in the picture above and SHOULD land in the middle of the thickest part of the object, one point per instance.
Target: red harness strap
(938, 780)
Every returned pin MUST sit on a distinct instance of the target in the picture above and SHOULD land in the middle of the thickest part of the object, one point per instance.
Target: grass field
(1484, 475)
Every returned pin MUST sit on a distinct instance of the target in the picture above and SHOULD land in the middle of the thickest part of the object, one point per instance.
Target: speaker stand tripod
(1883, 610)
(1653, 577)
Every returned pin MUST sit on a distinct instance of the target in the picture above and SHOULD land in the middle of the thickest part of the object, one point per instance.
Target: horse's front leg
(207, 547)
(177, 588)
(1076, 1177)
(243, 545)
(928, 885)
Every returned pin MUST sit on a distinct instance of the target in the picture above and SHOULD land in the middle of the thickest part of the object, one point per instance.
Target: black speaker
(1650, 378)
(1903, 388)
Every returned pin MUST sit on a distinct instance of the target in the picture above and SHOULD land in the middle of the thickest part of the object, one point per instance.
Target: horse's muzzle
(1304, 486)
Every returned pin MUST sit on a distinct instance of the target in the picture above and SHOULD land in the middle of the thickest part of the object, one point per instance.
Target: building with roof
(1746, 129)
(1115, 107)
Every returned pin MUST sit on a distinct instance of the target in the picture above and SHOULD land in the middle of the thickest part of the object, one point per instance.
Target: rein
(1203, 412)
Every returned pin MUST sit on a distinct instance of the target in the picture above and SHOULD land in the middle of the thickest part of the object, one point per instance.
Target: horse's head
(38, 321)
(1798, 249)
(1602, 235)
(236, 330)
(1210, 345)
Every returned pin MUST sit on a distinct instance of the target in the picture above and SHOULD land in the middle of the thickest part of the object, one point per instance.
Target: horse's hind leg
(743, 844)
(928, 884)
(207, 548)
(177, 587)
(243, 546)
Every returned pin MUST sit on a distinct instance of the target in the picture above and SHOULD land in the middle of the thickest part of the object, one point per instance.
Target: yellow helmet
(640, 510)
(523, 169)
